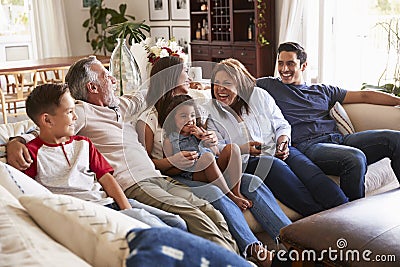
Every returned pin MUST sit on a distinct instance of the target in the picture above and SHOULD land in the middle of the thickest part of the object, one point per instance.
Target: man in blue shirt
(314, 132)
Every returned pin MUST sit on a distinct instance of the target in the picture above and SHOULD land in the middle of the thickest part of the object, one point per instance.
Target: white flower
(163, 48)
(164, 53)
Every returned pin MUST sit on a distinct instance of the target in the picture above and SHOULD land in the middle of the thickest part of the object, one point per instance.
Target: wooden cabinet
(242, 29)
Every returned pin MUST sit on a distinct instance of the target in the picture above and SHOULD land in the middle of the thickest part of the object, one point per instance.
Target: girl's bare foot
(242, 203)
(241, 196)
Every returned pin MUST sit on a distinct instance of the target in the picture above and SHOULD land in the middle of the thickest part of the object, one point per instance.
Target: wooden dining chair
(17, 86)
(52, 75)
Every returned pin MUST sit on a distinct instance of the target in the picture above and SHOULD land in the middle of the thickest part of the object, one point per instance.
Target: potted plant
(101, 18)
(389, 80)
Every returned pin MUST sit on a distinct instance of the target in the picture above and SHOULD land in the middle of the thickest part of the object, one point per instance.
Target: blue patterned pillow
(173, 247)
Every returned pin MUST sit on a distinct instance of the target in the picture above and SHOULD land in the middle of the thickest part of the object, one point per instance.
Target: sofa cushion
(17, 183)
(378, 175)
(343, 122)
(93, 232)
(23, 243)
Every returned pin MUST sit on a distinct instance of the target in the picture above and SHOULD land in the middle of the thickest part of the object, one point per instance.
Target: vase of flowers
(162, 48)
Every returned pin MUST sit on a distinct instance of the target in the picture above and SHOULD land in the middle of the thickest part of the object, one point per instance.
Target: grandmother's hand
(282, 147)
(250, 148)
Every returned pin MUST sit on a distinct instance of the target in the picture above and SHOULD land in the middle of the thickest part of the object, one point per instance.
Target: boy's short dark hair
(44, 98)
(294, 47)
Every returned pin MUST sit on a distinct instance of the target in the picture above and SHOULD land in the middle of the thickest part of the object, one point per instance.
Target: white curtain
(51, 32)
(290, 21)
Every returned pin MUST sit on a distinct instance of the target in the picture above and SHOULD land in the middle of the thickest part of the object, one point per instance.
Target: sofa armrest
(370, 116)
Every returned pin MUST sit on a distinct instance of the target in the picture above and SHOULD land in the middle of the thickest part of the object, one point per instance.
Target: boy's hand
(18, 155)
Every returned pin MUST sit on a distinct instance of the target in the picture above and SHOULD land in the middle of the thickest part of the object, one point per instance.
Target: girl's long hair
(164, 78)
(169, 125)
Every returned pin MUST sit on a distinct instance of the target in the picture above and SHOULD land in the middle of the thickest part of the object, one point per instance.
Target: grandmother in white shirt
(247, 115)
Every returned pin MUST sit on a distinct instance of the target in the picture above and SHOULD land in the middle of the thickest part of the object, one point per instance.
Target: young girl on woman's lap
(184, 132)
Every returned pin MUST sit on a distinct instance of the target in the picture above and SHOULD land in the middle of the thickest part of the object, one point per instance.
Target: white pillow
(343, 122)
(93, 232)
(17, 183)
(23, 243)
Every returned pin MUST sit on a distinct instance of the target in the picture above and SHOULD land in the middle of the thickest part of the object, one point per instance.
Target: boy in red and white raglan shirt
(69, 164)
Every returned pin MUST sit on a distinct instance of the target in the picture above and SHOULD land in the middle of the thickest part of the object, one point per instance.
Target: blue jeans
(265, 208)
(172, 247)
(151, 216)
(348, 156)
(297, 182)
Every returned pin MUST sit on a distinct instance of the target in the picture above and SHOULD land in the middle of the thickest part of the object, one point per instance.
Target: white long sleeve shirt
(264, 123)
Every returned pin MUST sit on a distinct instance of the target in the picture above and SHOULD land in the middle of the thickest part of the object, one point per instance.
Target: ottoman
(365, 232)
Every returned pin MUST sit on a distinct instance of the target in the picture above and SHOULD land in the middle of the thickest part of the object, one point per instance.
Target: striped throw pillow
(343, 122)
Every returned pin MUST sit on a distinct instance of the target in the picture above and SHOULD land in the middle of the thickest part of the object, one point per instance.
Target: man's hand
(18, 155)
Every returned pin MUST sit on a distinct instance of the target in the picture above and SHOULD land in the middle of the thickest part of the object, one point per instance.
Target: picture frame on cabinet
(157, 32)
(182, 36)
(158, 10)
(180, 10)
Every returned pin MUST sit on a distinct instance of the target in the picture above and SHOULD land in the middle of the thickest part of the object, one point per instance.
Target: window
(349, 46)
(16, 30)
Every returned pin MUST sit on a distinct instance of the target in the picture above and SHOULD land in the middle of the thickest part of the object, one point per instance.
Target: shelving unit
(228, 33)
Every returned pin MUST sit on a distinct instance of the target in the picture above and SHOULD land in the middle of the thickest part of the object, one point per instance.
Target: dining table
(46, 63)
(14, 87)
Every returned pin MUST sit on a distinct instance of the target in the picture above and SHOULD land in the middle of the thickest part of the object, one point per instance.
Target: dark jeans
(348, 156)
(297, 182)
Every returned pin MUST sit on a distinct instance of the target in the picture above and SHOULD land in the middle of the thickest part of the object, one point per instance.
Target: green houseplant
(101, 18)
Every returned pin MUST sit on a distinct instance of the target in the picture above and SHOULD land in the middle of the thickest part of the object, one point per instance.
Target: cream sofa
(38, 228)
(21, 238)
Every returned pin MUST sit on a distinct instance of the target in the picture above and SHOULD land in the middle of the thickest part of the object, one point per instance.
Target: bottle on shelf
(198, 31)
(251, 30)
(204, 30)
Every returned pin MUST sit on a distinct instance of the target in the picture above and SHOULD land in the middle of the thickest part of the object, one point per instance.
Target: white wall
(76, 15)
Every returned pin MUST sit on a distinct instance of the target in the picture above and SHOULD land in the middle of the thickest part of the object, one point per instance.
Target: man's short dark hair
(294, 47)
(44, 98)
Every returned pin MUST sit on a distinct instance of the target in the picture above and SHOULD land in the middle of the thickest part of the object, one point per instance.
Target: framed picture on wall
(90, 3)
(182, 37)
(157, 32)
(180, 10)
(159, 10)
